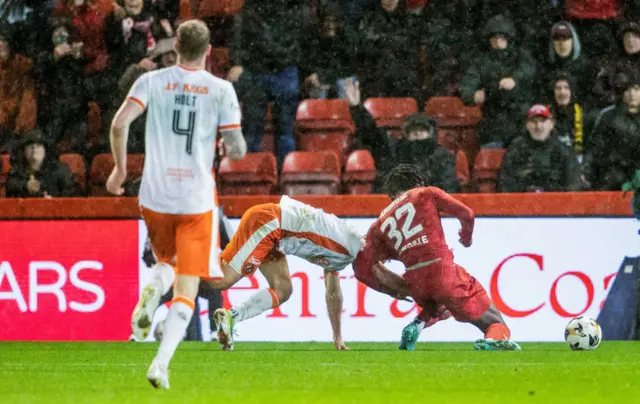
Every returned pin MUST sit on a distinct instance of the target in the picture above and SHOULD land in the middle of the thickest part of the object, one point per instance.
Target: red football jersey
(409, 229)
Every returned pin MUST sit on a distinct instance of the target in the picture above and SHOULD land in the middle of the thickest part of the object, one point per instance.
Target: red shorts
(449, 284)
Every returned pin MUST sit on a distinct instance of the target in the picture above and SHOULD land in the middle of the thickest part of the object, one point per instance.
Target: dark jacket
(614, 149)
(55, 177)
(503, 110)
(573, 125)
(269, 36)
(437, 164)
(370, 137)
(531, 165)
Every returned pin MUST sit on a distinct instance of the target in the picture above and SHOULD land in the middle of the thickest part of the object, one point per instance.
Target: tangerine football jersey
(186, 108)
(318, 237)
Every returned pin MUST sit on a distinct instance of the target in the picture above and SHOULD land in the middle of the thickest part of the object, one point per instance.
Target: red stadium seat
(306, 173)
(323, 115)
(101, 168)
(457, 123)
(76, 164)
(339, 142)
(486, 169)
(218, 63)
(462, 170)
(208, 8)
(5, 167)
(391, 112)
(359, 173)
(255, 174)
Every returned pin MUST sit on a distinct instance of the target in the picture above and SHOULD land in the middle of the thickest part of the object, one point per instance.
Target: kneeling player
(265, 235)
(409, 230)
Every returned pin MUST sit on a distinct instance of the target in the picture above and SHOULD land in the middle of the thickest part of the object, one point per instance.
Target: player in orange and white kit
(265, 235)
(186, 107)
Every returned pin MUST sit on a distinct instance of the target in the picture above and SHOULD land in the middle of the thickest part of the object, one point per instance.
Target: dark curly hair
(403, 178)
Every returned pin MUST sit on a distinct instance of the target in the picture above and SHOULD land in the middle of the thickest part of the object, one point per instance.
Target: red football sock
(498, 332)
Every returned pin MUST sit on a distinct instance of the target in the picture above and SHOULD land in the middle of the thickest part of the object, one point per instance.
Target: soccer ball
(583, 334)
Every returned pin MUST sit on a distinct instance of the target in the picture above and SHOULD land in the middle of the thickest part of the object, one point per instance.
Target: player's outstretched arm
(449, 205)
(236, 146)
(118, 135)
(333, 298)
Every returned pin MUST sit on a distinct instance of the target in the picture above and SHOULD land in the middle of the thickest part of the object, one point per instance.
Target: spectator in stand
(36, 172)
(595, 21)
(538, 161)
(614, 146)
(627, 61)
(267, 49)
(332, 54)
(132, 36)
(419, 146)
(501, 81)
(390, 39)
(163, 55)
(565, 55)
(18, 110)
(368, 136)
(572, 120)
(60, 75)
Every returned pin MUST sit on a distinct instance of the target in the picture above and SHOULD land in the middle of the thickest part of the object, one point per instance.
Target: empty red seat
(255, 174)
(391, 112)
(359, 173)
(462, 170)
(324, 114)
(340, 142)
(310, 173)
(76, 164)
(102, 165)
(486, 169)
(218, 63)
(5, 167)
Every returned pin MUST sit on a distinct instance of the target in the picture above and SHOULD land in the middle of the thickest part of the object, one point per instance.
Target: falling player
(186, 107)
(265, 235)
(409, 230)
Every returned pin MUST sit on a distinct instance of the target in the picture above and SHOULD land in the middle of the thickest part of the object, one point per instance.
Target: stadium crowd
(557, 82)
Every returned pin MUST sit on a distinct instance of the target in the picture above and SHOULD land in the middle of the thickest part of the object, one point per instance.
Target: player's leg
(430, 314)
(257, 235)
(469, 302)
(194, 247)
(161, 229)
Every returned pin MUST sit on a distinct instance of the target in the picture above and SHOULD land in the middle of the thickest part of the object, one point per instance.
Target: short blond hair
(193, 39)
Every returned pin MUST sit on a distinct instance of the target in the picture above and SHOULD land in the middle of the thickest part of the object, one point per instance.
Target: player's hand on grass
(465, 239)
(115, 181)
(339, 344)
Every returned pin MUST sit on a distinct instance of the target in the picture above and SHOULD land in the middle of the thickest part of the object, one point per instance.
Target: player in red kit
(409, 230)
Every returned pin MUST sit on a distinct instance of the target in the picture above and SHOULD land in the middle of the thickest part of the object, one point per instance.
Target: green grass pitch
(270, 373)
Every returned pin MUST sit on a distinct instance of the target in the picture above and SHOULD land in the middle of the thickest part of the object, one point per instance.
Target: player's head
(193, 41)
(403, 178)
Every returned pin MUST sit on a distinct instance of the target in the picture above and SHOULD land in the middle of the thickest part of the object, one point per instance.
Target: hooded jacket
(55, 178)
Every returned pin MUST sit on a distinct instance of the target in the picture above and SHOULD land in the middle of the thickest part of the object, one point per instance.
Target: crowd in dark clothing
(578, 60)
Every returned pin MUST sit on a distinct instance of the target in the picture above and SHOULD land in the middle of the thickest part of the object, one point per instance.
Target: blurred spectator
(131, 36)
(565, 55)
(537, 161)
(614, 145)
(500, 79)
(572, 120)
(18, 111)
(266, 53)
(332, 54)
(167, 11)
(368, 136)
(60, 74)
(36, 172)
(419, 146)
(163, 55)
(627, 61)
(595, 21)
(390, 42)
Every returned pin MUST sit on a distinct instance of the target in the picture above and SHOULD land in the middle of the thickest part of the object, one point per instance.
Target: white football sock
(258, 303)
(175, 328)
(163, 277)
